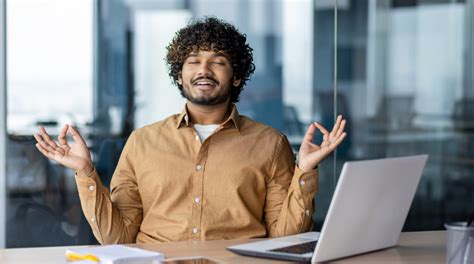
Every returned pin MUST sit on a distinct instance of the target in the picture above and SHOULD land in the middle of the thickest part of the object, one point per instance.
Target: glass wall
(401, 72)
(49, 48)
(405, 81)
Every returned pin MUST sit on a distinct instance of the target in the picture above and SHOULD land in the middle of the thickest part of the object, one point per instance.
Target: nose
(204, 69)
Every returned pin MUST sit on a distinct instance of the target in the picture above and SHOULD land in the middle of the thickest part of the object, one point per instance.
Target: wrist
(306, 168)
(86, 169)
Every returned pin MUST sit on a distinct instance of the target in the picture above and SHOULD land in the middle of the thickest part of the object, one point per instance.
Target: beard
(207, 100)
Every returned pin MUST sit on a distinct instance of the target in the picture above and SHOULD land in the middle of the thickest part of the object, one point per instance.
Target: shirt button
(195, 230)
(196, 138)
(307, 212)
(197, 200)
(92, 219)
(198, 167)
(90, 188)
(302, 182)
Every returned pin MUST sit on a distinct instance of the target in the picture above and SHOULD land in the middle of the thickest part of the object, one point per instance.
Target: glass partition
(49, 48)
(406, 83)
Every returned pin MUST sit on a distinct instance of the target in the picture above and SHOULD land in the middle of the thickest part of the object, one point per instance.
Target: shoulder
(250, 126)
(266, 139)
(155, 128)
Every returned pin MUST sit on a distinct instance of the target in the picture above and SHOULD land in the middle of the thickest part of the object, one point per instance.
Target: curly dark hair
(213, 34)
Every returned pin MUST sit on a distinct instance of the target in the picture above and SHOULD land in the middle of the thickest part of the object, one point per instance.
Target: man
(207, 173)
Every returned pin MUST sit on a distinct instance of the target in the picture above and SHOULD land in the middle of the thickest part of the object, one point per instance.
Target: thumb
(76, 136)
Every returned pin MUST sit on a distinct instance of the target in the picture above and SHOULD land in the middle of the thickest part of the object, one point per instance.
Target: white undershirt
(204, 131)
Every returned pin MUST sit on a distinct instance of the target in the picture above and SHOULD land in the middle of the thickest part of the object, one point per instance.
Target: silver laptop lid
(369, 206)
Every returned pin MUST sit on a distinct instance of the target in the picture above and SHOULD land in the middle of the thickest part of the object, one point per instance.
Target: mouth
(205, 84)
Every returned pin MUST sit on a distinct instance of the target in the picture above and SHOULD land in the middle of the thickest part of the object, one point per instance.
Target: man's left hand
(311, 154)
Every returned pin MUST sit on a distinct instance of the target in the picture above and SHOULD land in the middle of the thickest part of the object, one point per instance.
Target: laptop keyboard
(298, 249)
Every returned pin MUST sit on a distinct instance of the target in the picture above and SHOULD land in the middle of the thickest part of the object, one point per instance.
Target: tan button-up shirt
(241, 182)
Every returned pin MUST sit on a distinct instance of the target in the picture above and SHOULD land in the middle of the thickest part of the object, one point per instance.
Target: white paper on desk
(118, 254)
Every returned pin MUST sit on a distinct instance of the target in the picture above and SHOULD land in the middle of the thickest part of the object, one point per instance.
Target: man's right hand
(75, 156)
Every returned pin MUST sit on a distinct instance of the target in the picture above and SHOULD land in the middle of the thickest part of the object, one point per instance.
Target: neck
(207, 114)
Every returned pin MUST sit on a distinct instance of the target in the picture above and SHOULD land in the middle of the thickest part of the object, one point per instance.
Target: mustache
(205, 79)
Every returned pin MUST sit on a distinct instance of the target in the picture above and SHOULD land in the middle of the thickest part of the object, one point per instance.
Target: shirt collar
(234, 118)
(183, 118)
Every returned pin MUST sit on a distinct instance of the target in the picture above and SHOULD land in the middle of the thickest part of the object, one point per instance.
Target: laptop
(367, 213)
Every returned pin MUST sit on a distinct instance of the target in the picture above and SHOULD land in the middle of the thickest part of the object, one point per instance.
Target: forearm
(108, 223)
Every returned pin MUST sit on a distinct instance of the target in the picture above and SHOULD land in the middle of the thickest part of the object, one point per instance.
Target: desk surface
(413, 247)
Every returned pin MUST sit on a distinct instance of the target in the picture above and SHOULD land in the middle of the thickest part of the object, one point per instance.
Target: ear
(236, 82)
(180, 80)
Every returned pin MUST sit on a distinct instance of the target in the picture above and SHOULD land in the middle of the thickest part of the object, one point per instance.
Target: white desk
(414, 247)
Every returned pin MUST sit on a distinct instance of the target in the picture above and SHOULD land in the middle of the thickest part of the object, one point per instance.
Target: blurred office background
(400, 71)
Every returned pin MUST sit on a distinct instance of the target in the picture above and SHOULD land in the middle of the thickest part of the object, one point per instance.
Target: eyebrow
(215, 55)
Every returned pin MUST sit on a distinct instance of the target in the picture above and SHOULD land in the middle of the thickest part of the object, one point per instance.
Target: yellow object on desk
(71, 256)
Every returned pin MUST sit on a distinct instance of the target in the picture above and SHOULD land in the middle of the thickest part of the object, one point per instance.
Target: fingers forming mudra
(46, 145)
(311, 153)
(334, 138)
